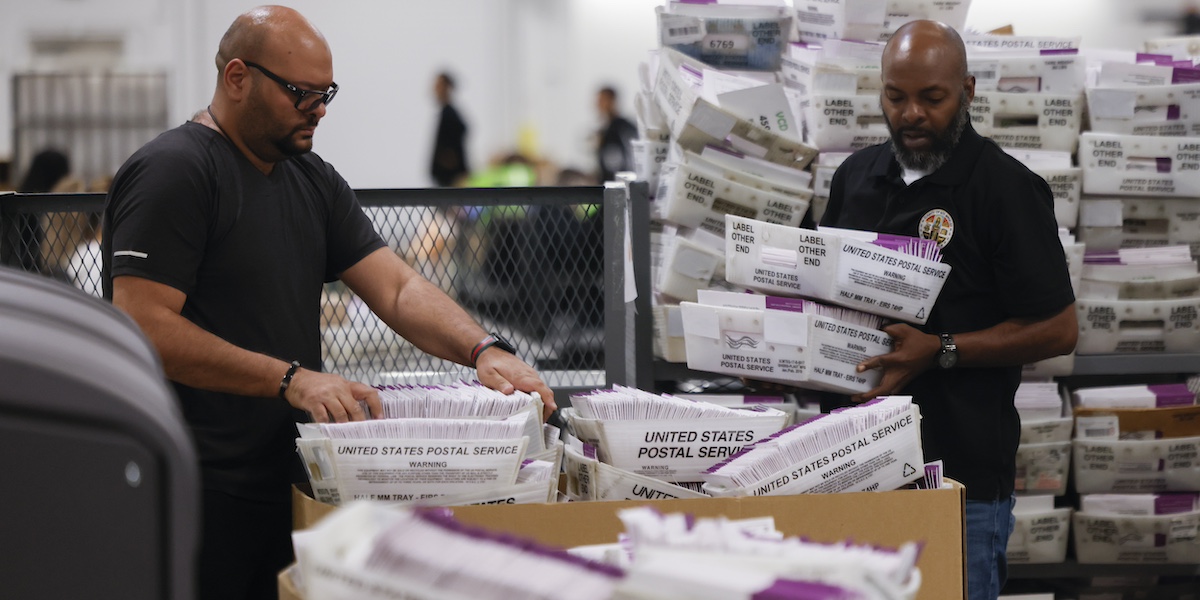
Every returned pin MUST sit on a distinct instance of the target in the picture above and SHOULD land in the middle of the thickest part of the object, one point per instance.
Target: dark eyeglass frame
(322, 97)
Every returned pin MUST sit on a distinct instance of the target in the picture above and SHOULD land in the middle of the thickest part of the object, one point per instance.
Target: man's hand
(506, 373)
(913, 353)
(330, 398)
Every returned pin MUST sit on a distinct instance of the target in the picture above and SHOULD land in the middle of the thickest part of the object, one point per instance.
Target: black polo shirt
(994, 220)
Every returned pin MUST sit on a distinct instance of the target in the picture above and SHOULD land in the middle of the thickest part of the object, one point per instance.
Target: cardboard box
(1155, 423)
(287, 587)
(934, 517)
(1138, 326)
(1138, 165)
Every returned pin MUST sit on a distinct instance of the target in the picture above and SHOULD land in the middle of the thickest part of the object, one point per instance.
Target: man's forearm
(199, 359)
(443, 328)
(1019, 341)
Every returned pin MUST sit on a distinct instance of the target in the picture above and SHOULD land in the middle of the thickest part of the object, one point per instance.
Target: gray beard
(928, 161)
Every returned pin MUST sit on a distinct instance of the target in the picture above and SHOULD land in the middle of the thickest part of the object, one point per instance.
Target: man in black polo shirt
(1008, 299)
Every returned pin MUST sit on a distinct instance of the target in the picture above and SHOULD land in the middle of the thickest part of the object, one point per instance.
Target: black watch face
(947, 359)
(504, 344)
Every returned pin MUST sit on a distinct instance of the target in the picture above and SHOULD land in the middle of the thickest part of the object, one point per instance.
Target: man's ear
(969, 87)
(235, 78)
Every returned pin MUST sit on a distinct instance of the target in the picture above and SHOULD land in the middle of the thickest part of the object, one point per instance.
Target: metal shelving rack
(1074, 570)
(1136, 364)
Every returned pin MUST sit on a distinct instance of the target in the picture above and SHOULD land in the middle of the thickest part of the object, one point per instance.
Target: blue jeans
(988, 526)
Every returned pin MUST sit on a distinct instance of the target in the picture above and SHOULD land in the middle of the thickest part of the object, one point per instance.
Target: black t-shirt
(251, 252)
(994, 219)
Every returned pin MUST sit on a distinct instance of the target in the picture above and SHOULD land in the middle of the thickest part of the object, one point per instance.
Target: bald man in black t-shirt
(219, 236)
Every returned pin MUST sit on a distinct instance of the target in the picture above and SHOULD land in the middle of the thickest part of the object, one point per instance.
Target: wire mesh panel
(53, 234)
(528, 264)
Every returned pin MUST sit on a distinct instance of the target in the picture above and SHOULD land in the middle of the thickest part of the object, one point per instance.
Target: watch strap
(287, 378)
(491, 340)
(948, 355)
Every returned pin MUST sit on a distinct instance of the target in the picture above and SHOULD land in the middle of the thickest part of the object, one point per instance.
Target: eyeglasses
(306, 100)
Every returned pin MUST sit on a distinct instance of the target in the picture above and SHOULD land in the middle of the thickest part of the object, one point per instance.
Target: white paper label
(886, 282)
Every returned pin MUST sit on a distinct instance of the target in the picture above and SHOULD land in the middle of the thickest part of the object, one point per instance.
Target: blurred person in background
(449, 145)
(21, 237)
(614, 152)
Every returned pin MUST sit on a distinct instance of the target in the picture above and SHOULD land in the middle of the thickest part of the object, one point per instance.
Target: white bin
(1039, 537)
(1137, 539)
(1138, 326)
(1042, 468)
(1109, 466)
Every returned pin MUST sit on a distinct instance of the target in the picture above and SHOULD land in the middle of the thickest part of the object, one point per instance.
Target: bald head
(274, 79)
(927, 93)
(928, 41)
(262, 33)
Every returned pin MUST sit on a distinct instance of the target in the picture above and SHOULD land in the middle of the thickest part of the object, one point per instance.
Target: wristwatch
(948, 356)
(493, 339)
(503, 343)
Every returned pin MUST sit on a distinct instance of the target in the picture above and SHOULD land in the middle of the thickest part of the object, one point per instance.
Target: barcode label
(986, 73)
(679, 29)
(1104, 427)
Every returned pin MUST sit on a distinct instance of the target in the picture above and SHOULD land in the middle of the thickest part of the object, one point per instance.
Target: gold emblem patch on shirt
(936, 225)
